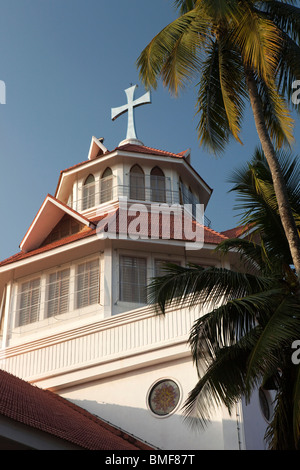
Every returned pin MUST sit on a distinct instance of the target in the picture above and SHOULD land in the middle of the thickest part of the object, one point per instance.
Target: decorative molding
(115, 337)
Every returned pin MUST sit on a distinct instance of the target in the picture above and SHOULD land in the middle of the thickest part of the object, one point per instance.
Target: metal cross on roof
(129, 107)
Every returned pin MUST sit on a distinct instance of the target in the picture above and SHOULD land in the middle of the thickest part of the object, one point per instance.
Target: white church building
(73, 301)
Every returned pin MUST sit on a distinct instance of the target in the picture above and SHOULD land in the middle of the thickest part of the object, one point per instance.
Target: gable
(66, 226)
(47, 219)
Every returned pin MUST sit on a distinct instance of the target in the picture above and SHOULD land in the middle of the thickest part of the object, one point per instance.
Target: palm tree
(245, 340)
(239, 51)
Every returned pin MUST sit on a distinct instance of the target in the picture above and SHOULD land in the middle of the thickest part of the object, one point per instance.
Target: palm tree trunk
(284, 208)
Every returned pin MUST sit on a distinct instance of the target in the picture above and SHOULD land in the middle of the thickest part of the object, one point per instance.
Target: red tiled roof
(236, 232)
(148, 150)
(64, 241)
(48, 412)
(210, 236)
(133, 148)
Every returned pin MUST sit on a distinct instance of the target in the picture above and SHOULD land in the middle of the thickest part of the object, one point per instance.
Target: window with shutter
(137, 183)
(88, 199)
(87, 284)
(158, 185)
(29, 302)
(106, 186)
(58, 293)
(133, 279)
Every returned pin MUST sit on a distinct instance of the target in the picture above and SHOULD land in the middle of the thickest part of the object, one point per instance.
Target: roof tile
(210, 236)
(51, 413)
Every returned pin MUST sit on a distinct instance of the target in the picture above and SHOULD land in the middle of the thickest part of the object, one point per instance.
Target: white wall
(122, 401)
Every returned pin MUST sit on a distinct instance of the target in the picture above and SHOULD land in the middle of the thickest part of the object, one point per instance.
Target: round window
(164, 397)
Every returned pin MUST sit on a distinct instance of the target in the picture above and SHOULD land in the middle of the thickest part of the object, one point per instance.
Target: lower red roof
(48, 412)
(210, 236)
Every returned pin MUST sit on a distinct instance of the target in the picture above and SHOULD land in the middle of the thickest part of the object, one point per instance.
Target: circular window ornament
(164, 397)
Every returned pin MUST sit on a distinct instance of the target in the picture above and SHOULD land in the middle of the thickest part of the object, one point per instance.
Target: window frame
(57, 299)
(158, 194)
(106, 181)
(137, 192)
(77, 304)
(41, 317)
(122, 295)
(88, 193)
(20, 293)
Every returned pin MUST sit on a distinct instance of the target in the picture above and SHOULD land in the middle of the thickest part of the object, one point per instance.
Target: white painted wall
(122, 400)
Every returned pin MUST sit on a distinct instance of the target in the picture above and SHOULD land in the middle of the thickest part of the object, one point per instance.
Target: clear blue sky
(65, 64)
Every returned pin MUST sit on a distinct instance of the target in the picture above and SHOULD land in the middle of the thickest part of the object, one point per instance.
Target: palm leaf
(253, 255)
(286, 16)
(277, 116)
(183, 6)
(278, 332)
(213, 127)
(173, 53)
(222, 384)
(259, 41)
(195, 285)
(232, 86)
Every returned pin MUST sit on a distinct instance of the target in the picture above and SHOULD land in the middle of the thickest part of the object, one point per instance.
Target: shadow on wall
(168, 433)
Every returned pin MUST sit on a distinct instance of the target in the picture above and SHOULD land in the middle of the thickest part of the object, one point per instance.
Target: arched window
(158, 185)
(137, 183)
(106, 186)
(88, 196)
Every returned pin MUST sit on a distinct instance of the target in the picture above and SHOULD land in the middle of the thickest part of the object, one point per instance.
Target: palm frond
(213, 127)
(286, 16)
(288, 69)
(278, 119)
(225, 325)
(252, 255)
(257, 203)
(280, 434)
(222, 384)
(259, 41)
(196, 285)
(183, 6)
(173, 54)
(232, 86)
(277, 333)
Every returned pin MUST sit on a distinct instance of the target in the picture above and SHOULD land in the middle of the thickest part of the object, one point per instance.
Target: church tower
(75, 317)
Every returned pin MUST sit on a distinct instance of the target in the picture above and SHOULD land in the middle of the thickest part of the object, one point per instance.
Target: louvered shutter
(137, 184)
(58, 293)
(88, 195)
(106, 186)
(87, 284)
(133, 279)
(158, 185)
(29, 302)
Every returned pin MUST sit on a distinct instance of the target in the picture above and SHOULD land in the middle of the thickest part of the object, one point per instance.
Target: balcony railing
(141, 188)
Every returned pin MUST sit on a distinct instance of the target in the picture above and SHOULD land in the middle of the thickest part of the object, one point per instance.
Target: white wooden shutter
(133, 279)
(87, 284)
(29, 302)
(58, 293)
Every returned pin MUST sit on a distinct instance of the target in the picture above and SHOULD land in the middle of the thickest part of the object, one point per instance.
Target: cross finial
(129, 107)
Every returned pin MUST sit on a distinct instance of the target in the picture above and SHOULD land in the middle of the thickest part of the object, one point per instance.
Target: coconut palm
(245, 340)
(238, 51)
